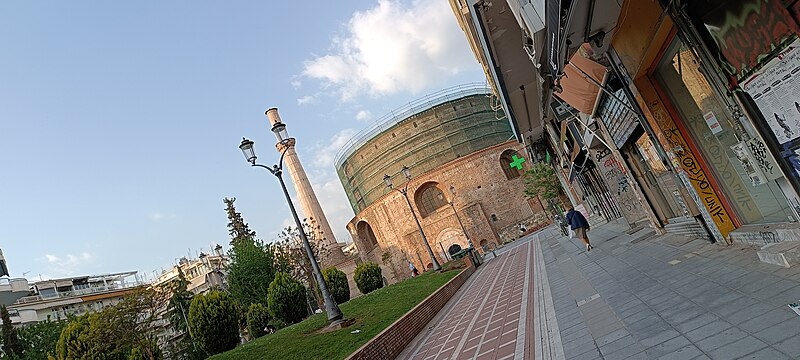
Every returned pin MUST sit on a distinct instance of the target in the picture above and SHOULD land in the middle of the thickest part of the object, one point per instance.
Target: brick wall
(486, 201)
(390, 342)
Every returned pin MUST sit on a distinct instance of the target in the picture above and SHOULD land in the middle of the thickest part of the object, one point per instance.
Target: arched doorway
(447, 238)
(366, 235)
(454, 249)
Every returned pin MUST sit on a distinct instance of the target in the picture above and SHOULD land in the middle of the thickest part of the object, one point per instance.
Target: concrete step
(686, 226)
(783, 254)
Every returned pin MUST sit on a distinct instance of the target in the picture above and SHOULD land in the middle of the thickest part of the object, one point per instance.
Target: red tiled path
(490, 315)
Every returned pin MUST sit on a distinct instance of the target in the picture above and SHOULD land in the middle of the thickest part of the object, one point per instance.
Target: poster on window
(774, 89)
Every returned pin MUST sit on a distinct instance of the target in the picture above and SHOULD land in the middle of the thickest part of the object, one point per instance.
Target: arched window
(429, 198)
(506, 158)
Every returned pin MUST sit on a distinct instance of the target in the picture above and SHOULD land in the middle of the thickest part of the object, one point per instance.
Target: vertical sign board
(553, 20)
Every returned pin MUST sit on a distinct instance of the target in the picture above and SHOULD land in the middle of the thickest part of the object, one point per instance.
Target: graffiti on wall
(764, 159)
(705, 194)
(747, 31)
(618, 184)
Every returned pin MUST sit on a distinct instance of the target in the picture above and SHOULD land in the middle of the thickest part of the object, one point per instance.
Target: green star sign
(517, 162)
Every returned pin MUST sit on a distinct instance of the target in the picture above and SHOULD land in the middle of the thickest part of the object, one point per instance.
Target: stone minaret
(308, 200)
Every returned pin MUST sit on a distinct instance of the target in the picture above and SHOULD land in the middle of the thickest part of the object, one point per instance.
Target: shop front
(722, 152)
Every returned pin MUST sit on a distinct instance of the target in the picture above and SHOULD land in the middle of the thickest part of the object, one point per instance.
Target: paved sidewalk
(637, 296)
(649, 297)
(489, 316)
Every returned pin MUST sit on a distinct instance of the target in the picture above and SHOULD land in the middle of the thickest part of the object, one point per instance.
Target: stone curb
(390, 342)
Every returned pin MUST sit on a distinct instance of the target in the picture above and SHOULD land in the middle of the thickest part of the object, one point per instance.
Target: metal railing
(404, 112)
(79, 292)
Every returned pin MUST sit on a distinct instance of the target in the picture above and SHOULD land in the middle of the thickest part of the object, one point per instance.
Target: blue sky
(120, 121)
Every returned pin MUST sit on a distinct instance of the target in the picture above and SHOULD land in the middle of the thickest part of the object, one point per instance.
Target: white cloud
(364, 115)
(157, 216)
(308, 99)
(324, 153)
(68, 265)
(394, 47)
(296, 84)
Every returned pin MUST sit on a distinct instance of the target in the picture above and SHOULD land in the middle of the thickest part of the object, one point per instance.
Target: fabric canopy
(578, 90)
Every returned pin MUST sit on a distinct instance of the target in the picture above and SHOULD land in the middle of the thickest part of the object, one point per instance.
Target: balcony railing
(79, 292)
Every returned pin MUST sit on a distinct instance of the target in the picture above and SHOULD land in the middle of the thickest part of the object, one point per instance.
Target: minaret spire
(305, 193)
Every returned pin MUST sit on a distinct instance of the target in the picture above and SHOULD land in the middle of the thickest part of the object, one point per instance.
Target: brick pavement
(488, 318)
(632, 297)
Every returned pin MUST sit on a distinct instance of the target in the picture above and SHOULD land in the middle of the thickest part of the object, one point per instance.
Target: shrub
(337, 284)
(257, 320)
(368, 277)
(73, 343)
(286, 299)
(214, 322)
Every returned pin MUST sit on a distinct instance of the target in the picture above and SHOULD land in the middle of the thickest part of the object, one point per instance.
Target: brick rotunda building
(457, 145)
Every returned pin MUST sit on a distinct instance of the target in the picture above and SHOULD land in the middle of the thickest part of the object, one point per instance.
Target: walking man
(577, 222)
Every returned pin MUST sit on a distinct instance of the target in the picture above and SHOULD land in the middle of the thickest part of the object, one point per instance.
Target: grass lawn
(373, 313)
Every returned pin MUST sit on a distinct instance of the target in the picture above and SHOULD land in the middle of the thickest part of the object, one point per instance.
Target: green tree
(337, 284)
(73, 343)
(541, 181)
(238, 229)
(146, 351)
(12, 347)
(368, 277)
(118, 329)
(115, 331)
(257, 320)
(178, 305)
(214, 322)
(178, 315)
(250, 272)
(252, 264)
(287, 299)
(39, 340)
(292, 257)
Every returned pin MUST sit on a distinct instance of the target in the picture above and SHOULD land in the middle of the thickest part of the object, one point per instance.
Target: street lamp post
(404, 191)
(331, 308)
(463, 229)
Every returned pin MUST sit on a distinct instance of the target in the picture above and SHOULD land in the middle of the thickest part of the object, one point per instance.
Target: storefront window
(707, 118)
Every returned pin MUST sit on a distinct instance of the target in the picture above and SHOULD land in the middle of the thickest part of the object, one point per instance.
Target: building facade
(59, 299)
(458, 149)
(691, 105)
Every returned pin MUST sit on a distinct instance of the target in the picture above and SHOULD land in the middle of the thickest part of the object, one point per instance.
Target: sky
(120, 121)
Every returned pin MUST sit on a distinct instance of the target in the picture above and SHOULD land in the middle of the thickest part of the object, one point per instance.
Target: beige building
(459, 149)
(58, 299)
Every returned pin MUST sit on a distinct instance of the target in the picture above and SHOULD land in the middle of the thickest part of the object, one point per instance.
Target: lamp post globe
(280, 132)
(406, 172)
(248, 150)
